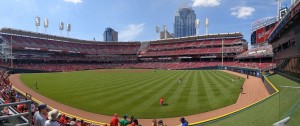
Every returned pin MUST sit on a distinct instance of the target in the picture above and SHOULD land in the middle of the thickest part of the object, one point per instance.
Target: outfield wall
(248, 71)
(17, 70)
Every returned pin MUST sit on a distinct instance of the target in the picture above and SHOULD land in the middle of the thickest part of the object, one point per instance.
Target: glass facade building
(110, 35)
(184, 24)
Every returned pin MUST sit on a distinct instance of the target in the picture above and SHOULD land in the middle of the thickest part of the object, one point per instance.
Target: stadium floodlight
(206, 25)
(165, 30)
(46, 24)
(68, 28)
(157, 30)
(197, 24)
(61, 27)
(37, 22)
(278, 8)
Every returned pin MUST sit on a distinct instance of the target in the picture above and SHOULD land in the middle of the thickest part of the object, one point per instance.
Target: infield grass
(137, 92)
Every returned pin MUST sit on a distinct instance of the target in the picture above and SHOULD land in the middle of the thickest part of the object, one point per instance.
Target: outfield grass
(267, 112)
(137, 92)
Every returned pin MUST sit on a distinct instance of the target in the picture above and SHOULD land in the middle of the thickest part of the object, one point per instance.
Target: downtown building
(184, 23)
(110, 35)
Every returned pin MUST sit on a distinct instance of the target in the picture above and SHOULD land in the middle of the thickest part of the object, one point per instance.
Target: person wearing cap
(124, 121)
(160, 123)
(183, 122)
(114, 121)
(52, 116)
(39, 116)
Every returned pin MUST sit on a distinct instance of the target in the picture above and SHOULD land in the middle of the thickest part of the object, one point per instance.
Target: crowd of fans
(64, 67)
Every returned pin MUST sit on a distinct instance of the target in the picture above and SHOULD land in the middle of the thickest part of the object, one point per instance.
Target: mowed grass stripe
(193, 95)
(203, 98)
(135, 92)
(121, 88)
(174, 96)
(171, 94)
(232, 87)
(222, 90)
(206, 91)
(153, 100)
(182, 91)
(221, 84)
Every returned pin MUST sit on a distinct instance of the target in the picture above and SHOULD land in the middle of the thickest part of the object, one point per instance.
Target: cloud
(242, 12)
(206, 3)
(131, 31)
(74, 1)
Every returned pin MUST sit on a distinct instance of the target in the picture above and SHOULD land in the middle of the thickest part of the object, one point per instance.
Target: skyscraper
(110, 35)
(184, 24)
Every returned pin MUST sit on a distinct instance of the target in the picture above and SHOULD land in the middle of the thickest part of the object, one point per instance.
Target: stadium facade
(285, 40)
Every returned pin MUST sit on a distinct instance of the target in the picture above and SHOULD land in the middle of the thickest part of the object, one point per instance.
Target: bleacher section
(44, 52)
(196, 47)
(263, 51)
(40, 48)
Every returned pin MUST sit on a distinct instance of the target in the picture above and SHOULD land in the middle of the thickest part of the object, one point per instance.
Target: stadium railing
(16, 114)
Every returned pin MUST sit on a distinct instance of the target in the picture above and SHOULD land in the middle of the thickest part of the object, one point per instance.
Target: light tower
(165, 31)
(206, 26)
(278, 8)
(61, 27)
(37, 23)
(68, 28)
(46, 24)
(157, 30)
(197, 24)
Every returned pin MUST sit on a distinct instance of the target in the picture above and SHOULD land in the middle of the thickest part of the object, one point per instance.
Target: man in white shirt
(39, 116)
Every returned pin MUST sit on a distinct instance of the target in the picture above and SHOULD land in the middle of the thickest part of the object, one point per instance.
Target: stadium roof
(201, 37)
(53, 37)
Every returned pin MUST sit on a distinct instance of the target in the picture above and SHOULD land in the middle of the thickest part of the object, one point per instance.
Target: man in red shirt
(114, 121)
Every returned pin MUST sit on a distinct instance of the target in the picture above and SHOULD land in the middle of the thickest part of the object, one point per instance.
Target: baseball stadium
(200, 80)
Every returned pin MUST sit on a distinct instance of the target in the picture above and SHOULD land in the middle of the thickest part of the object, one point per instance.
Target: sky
(135, 20)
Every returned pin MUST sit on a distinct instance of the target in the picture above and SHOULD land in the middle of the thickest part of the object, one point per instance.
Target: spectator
(154, 122)
(52, 115)
(32, 108)
(135, 121)
(39, 116)
(62, 119)
(124, 121)
(73, 122)
(5, 111)
(131, 119)
(114, 121)
(160, 123)
(183, 122)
